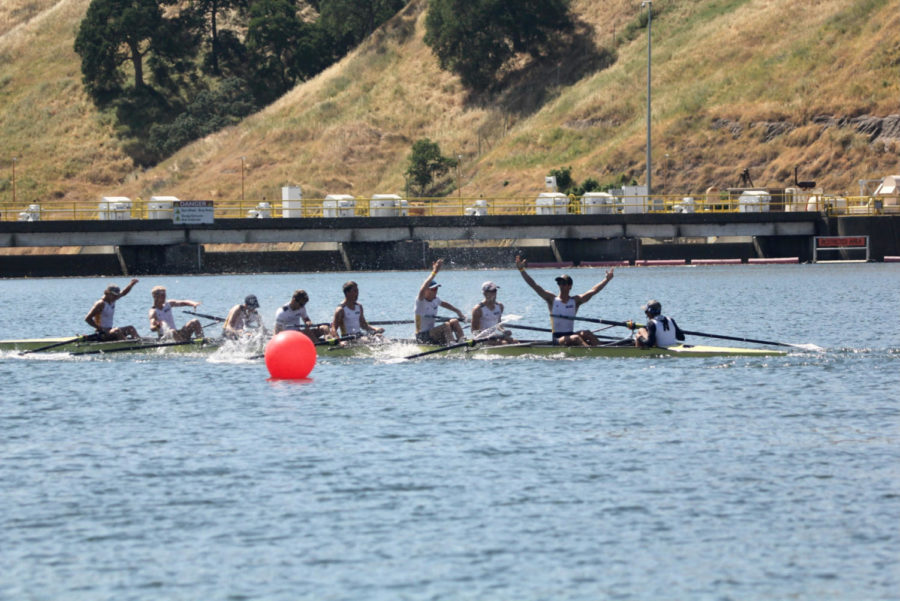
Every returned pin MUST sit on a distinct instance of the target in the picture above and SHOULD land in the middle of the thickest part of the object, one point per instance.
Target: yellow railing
(458, 206)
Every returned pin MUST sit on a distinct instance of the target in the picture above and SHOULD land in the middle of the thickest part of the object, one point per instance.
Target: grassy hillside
(760, 84)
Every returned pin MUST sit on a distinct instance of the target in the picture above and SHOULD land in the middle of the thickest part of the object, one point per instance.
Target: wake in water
(246, 349)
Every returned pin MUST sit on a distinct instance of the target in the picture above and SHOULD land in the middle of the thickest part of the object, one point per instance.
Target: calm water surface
(195, 477)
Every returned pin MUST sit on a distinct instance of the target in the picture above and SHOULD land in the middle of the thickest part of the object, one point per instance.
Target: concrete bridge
(161, 246)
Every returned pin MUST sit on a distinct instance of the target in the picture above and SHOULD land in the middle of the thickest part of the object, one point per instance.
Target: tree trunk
(137, 62)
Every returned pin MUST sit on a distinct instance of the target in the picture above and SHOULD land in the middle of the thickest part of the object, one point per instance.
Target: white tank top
(351, 319)
(566, 323)
(289, 318)
(490, 317)
(426, 311)
(106, 315)
(665, 331)
(164, 315)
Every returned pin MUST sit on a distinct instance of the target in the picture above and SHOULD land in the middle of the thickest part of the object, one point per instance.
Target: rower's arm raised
(521, 264)
(585, 297)
(435, 268)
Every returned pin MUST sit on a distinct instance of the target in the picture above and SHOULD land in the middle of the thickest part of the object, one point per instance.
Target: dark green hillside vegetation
(170, 73)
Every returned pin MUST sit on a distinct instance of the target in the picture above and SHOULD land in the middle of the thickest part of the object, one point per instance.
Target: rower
(427, 304)
(290, 315)
(349, 318)
(488, 314)
(101, 315)
(243, 317)
(660, 331)
(163, 322)
(563, 307)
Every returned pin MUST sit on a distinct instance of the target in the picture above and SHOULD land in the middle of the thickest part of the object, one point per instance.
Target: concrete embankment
(156, 247)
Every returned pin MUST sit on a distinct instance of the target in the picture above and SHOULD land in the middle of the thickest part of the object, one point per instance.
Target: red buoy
(290, 355)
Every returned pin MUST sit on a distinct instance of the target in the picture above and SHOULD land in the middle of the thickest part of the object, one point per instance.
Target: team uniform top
(291, 319)
(351, 319)
(426, 312)
(663, 332)
(164, 315)
(490, 317)
(563, 320)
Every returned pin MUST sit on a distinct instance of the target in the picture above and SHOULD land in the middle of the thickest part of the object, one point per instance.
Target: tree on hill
(116, 33)
(284, 49)
(349, 22)
(425, 163)
(208, 12)
(476, 39)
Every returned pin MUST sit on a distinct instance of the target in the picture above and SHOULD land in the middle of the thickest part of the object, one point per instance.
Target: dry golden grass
(736, 84)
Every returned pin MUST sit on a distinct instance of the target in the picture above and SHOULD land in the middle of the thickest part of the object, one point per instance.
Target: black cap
(564, 279)
(251, 302)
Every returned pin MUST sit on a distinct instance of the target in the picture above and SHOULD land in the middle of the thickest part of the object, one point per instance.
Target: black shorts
(558, 335)
(425, 338)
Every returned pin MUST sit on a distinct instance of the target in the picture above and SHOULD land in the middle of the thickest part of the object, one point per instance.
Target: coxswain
(293, 316)
(488, 314)
(349, 318)
(163, 322)
(427, 305)
(563, 307)
(242, 318)
(660, 331)
(101, 315)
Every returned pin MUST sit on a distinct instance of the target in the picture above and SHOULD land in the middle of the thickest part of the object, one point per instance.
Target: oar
(82, 338)
(395, 322)
(137, 347)
(399, 322)
(532, 328)
(205, 316)
(483, 336)
(624, 324)
(444, 349)
(808, 347)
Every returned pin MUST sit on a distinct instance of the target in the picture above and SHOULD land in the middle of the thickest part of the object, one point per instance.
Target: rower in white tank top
(426, 313)
(564, 306)
(562, 316)
(101, 317)
(490, 317)
(107, 315)
(163, 322)
(487, 317)
(349, 317)
(290, 319)
(164, 315)
(351, 320)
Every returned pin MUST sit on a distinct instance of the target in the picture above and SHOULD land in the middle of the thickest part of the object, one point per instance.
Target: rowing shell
(544, 349)
(396, 348)
(81, 347)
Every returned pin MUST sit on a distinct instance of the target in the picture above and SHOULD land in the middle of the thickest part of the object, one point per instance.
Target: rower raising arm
(427, 303)
(564, 306)
(101, 315)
